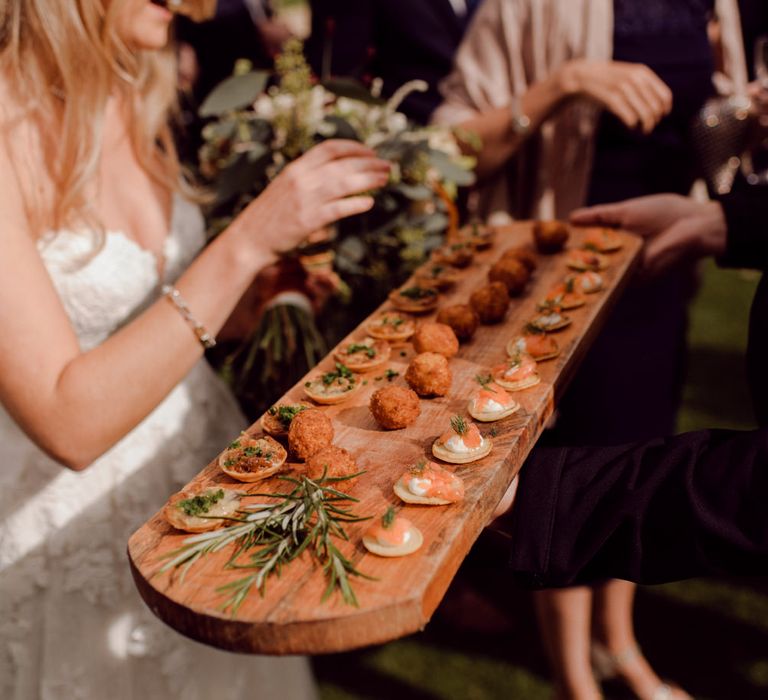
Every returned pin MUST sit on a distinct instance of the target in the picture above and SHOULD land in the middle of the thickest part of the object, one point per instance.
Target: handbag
(721, 133)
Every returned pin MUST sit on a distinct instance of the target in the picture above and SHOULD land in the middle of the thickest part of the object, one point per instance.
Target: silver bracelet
(521, 123)
(174, 296)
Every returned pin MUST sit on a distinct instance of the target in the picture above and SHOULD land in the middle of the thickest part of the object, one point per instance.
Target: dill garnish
(459, 425)
(388, 519)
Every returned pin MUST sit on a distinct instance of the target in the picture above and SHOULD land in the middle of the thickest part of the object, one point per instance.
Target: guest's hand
(632, 91)
(675, 228)
(274, 33)
(313, 191)
(759, 96)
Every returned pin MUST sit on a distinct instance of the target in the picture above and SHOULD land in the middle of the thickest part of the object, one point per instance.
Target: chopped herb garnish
(234, 445)
(493, 432)
(390, 374)
(199, 505)
(378, 379)
(230, 462)
(286, 413)
(338, 375)
(365, 382)
(361, 347)
(396, 321)
(417, 292)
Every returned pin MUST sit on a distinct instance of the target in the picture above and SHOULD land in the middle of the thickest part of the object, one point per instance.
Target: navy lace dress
(630, 385)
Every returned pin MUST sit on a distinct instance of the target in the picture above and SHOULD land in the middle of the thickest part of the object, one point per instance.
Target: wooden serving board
(290, 618)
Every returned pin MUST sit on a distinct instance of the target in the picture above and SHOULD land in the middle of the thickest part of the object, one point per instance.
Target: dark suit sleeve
(686, 506)
(746, 214)
(345, 29)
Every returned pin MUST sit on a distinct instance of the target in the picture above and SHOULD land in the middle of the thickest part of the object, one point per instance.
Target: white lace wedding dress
(72, 625)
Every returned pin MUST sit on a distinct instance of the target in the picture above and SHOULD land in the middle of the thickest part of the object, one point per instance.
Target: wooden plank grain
(290, 618)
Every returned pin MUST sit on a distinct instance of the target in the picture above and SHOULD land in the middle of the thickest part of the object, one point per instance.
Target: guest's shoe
(617, 666)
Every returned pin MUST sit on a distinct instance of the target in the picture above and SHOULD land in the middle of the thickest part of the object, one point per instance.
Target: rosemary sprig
(267, 536)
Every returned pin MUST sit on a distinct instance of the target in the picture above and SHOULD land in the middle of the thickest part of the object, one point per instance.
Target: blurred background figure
(395, 40)
(589, 102)
(240, 29)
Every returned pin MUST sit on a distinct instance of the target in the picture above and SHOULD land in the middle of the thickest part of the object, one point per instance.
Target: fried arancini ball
(333, 462)
(490, 302)
(435, 337)
(550, 236)
(429, 375)
(394, 407)
(513, 273)
(461, 318)
(525, 255)
(310, 432)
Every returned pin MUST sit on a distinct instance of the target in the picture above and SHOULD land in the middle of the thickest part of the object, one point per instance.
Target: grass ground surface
(711, 636)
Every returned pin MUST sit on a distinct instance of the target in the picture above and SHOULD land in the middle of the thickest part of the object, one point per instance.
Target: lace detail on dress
(72, 625)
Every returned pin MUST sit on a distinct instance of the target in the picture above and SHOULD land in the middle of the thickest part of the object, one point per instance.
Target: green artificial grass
(710, 636)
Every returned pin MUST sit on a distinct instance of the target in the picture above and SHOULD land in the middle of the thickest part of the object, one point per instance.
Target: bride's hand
(322, 186)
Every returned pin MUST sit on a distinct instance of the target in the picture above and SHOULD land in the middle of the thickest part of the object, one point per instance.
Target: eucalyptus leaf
(342, 129)
(242, 176)
(352, 89)
(234, 93)
(450, 170)
(415, 192)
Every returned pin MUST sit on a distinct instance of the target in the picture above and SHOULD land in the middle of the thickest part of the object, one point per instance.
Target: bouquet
(256, 129)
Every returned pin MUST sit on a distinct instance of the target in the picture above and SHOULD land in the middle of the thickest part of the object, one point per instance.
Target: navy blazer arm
(660, 511)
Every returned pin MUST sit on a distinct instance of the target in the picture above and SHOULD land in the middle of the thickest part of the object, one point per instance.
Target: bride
(106, 405)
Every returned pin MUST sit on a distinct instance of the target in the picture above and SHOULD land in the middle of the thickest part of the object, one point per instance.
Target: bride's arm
(75, 405)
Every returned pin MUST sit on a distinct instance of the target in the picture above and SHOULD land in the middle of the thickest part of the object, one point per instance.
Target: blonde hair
(63, 60)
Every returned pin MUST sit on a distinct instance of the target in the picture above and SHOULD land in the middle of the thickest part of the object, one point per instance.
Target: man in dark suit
(395, 40)
(672, 508)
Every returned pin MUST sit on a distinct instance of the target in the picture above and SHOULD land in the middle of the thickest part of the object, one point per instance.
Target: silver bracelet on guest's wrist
(177, 301)
(520, 122)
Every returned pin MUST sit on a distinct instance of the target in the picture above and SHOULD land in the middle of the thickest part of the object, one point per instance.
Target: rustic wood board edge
(385, 622)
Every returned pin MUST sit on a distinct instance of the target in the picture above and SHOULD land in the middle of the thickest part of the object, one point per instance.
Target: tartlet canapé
(480, 235)
(538, 344)
(491, 402)
(517, 373)
(392, 326)
(392, 535)
(364, 356)
(201, 509)
(278, 418)
(549, 321)
(603, 240)
(437, 275)
(416, 298)
(588, 282)
(461, 444)
(332, 387)
(429, 484)
(586, 260)
(564, 296)
(456, 254)
(251, 459)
